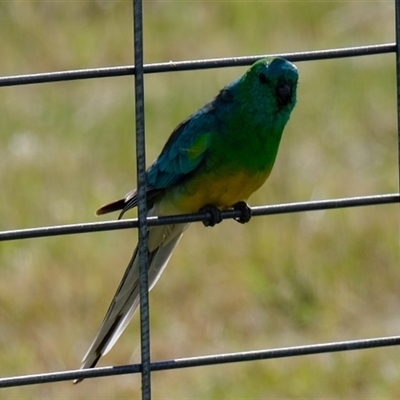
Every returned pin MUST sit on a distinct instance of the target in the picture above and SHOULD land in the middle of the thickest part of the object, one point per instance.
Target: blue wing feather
(187, 146)
(183, 152)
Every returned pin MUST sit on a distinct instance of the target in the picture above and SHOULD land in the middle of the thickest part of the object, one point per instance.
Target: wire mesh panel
(317, 274)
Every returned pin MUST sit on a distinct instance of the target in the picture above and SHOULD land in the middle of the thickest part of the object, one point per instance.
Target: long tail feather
(111, 207)
(161, 242)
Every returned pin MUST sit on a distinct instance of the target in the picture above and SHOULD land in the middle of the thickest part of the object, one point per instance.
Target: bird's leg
(246, 212)
(215, 215)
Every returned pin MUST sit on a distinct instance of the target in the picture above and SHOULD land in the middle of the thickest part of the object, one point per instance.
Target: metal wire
(202, 361)
(282, 208)
(142, 222)
(175, 66)
(397, 32)
(142, 201)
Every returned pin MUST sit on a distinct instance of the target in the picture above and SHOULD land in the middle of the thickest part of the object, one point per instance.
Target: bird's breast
(220, 190)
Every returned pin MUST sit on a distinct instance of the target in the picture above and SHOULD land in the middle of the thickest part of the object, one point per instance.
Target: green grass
(66, 148)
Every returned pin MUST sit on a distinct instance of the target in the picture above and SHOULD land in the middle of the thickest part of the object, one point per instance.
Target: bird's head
(272, 84)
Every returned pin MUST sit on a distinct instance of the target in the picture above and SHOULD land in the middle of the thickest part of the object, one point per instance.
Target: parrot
(212, 161)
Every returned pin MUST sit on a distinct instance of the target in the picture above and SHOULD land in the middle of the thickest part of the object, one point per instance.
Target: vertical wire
(397, 30)
(142, 206)
(397, 33)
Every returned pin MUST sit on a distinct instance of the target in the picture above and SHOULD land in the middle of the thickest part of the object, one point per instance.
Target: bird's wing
(183, 153)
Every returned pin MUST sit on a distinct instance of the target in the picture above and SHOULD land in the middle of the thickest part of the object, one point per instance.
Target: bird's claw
(215, 215)
(246, 212)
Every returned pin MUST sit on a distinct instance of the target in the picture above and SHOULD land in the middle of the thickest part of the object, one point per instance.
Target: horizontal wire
(199, 361)
(317, 205)
(173, 66)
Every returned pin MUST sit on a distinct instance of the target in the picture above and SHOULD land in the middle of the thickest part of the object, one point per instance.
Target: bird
(213, 160)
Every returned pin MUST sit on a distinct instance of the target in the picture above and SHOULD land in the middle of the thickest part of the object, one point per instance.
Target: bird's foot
(214, 213)
(246, 212)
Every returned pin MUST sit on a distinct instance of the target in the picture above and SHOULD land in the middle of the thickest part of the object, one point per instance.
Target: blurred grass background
(66, 148)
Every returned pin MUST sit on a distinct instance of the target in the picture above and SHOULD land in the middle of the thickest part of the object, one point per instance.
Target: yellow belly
(203, 190)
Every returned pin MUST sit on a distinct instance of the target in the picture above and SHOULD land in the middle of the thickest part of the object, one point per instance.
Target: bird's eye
(263, 79)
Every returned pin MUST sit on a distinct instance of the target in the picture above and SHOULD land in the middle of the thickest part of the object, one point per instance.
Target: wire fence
(138, 70)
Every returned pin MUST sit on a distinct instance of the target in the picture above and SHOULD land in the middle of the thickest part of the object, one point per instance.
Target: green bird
(214, 160)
